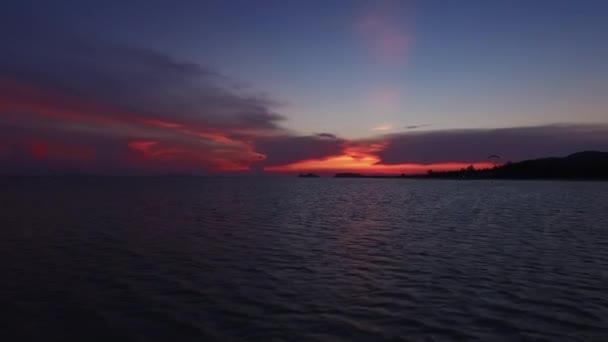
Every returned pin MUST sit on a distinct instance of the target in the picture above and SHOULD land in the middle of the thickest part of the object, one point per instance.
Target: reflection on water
(289, 259)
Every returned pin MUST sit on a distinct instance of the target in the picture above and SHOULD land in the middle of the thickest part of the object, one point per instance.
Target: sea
(302, 259)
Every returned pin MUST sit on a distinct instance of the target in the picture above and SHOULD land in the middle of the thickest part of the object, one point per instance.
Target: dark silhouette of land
(358, 175)
(582, 165)
(308, 175)
(349, 175)
(592, 165)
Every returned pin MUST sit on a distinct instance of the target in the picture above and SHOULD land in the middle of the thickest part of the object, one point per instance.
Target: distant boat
(308, 175)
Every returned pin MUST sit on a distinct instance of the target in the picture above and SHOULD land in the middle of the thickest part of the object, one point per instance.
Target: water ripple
(148, 259)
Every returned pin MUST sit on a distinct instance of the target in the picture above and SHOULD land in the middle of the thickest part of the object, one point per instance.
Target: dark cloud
(285, 149)
(327, 135)
(132, 79)
(133, 108)
(473, 145)
(417, 126)
(41, 149)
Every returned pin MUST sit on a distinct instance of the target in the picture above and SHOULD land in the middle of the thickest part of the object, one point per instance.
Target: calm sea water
(191, 259)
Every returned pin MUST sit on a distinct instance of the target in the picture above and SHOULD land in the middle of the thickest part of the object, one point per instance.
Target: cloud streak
(382, 128)
(417, 126)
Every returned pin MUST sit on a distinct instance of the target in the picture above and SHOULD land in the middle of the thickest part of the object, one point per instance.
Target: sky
(150, 87)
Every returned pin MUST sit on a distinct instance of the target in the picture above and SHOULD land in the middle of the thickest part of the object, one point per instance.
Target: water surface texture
(190, 259)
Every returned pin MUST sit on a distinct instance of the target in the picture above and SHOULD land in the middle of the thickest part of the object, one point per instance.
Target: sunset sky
(150, 87)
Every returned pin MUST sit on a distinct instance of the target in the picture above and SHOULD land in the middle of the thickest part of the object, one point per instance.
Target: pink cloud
(382, 128)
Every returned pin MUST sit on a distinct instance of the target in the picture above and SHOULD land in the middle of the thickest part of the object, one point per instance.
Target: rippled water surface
(190, 259)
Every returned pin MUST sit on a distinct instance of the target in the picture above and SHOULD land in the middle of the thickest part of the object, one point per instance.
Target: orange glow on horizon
(362, 159)
(369, 165)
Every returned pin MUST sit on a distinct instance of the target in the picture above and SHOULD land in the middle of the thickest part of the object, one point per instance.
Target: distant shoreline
(587, 165)
(424, 177)
(284, 176)
(582, 166)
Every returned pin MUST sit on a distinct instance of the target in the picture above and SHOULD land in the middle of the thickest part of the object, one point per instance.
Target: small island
(308, 175)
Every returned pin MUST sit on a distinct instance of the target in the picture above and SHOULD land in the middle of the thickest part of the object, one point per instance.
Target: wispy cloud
(327, 135)
(382, 128)
(417, 126)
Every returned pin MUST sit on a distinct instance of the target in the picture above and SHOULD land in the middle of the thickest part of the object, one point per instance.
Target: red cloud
(176, 157)
(175, 146)
(52, 150)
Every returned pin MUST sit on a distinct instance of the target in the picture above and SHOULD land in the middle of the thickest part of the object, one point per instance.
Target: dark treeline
(582, 165)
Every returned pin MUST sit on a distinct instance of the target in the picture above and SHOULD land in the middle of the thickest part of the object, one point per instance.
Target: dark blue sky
(466, 63)
(355, 69)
